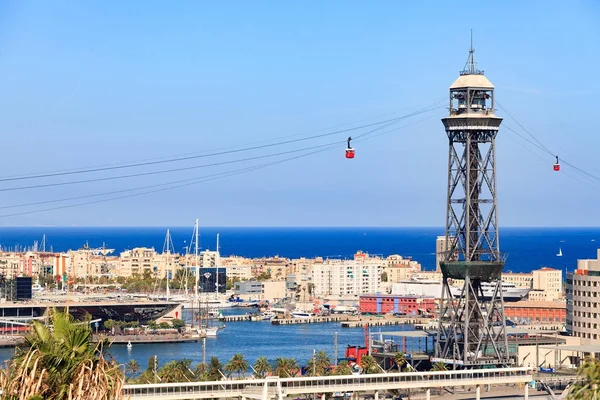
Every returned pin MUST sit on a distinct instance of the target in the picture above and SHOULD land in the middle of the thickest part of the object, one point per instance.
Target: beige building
(519, 279)
(549, 281)
(11, 264)
(441, 246)
(271, 291)
(143, 259)
(583, 298)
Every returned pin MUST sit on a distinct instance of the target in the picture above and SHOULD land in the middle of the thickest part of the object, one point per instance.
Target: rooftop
(472, 81)
(536, 304)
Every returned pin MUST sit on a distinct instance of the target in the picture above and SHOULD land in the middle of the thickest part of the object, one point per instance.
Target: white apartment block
(340, 277)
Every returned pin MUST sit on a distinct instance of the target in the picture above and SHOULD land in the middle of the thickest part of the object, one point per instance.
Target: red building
(390, 303)
(536, 311)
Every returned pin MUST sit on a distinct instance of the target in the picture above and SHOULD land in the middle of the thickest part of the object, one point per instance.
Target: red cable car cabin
(349, 150)
(556, 165)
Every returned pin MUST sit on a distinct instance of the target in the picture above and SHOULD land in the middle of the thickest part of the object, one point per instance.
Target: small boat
(268, 315)
(559, 252)
(210, 331)
(129, 345)
(301, 314)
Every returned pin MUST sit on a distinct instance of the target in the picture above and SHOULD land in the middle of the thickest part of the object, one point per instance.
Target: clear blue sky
(100, 82)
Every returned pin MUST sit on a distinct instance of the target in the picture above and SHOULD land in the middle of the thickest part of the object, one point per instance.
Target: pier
(311, 320)
(16, 340)
(421, 322)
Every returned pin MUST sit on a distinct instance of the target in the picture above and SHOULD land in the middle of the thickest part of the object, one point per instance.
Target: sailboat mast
(217, 256)
(196, 262)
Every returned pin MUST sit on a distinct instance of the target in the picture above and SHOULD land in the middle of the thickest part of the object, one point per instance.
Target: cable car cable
(191, 157)
(161, 189)
(185, 182)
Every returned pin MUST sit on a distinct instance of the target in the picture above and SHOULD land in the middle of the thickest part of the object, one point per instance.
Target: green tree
(152, 325)
(384, 277)
(164, 325)
(61, 363)
(369, 365)
(132, 368)
(176, 371)
(214, 369)
(439, 366)
(237, 364)
(264, 276)
(400, 360)
(286, 367)
(262, 367)
(588, 388)
(178, 323)
(343, 369)
(201, 372)
(319, 364)
(110, 324)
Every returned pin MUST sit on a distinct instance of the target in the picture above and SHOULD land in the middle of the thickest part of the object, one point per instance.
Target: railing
(346, 383)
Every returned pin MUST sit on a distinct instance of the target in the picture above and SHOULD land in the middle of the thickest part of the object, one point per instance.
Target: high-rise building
(583, 297)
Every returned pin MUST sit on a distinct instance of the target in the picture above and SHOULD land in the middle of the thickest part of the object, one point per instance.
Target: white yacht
(301, 314)
(510, 292)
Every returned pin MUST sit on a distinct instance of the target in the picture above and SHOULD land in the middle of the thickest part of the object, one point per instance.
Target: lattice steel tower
(472, 326)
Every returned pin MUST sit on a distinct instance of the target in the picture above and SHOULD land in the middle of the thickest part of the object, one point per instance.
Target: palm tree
(369, 365)
(319, 364)
(262, 367)
(400, 360)
(439, 366)
(61, 363)
(286, 367)
(343, 369)
(200, 372)
(214, 370)
(238, 364)
(132, 368)
(589, 386)
(176, 371)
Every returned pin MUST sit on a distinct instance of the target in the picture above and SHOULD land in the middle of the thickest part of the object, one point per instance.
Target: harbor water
(252, 339)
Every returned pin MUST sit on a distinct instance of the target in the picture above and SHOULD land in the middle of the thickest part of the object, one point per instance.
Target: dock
(16, 340)
(145, 339)
(385, 322)
(312, 320)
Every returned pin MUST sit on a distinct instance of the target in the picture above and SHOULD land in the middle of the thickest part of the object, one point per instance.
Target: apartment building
(519, 279)
(583, 297)
(347, 277)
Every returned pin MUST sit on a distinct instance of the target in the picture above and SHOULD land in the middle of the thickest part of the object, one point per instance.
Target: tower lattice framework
(472, 326)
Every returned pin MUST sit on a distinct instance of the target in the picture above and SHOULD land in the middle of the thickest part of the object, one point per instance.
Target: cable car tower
(472, 326)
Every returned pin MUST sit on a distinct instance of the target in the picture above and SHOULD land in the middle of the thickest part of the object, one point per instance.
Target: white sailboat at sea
(559, 254)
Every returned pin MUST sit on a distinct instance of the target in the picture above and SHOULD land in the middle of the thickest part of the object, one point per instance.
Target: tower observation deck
(472, 329)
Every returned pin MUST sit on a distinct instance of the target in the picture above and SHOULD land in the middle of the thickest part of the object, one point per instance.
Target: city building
(442, 246)
(418, 288)
(548, 281)
(384, 304)
(210, 279)
(347, 277)
(521, 280)
(271, 291)
(583, 296)
(536, 312)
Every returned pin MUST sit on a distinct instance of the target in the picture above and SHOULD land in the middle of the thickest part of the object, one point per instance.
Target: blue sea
(527, 248)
